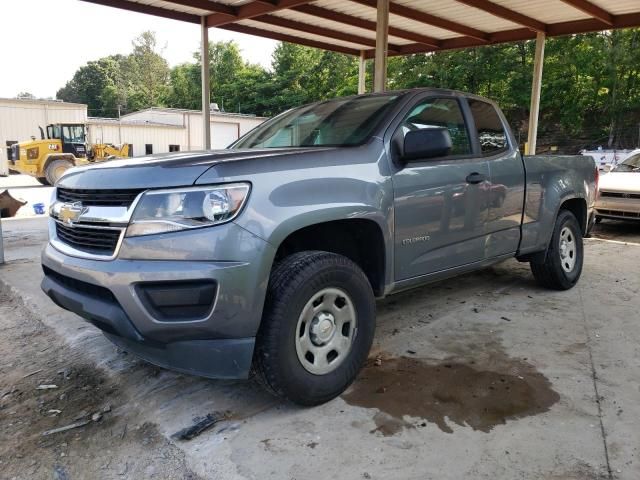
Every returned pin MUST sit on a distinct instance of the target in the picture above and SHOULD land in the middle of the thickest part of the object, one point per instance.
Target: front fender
(274, 214)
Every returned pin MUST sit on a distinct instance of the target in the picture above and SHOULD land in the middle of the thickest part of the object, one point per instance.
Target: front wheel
(317, 327)
(55, 169)
(562, 265)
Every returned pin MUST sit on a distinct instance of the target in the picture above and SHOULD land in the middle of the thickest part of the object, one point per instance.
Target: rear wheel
(562, 265)
(317, 327)
(55, 169)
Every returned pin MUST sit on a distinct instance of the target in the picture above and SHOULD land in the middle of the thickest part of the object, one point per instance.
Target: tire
(286, 331)
(561, 268)
(43, 181)
(55, 169)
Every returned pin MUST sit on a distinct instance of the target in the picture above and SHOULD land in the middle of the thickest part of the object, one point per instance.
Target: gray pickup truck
(268, 256)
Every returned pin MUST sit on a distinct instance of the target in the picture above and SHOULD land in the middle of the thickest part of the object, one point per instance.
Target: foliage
(146, 74)
(95, 84)
(135, 81)
(590, 92)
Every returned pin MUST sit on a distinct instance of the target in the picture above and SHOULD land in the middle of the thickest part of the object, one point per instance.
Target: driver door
(441, 204)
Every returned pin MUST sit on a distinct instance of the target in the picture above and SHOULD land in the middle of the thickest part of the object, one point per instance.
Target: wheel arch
(577, 206)
(360, 239)
(572, 203)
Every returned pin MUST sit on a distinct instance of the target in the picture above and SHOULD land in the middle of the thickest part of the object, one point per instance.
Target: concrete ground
(482, 376)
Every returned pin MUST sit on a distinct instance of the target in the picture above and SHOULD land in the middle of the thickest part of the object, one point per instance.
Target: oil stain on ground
(448, 391)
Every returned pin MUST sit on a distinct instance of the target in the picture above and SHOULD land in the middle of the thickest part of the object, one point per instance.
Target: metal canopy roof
(349, 26)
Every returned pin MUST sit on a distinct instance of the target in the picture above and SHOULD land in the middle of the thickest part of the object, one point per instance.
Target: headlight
(160, 211)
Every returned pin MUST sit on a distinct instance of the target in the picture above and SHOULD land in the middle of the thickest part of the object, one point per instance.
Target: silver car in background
(619, 196)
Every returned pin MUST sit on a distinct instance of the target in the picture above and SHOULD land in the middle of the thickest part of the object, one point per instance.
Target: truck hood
(169, 170)
(626, 182)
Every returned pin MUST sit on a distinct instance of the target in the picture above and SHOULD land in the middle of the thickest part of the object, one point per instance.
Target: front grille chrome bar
(86, 218)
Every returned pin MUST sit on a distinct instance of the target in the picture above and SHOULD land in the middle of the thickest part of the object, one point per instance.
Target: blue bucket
(38, 208)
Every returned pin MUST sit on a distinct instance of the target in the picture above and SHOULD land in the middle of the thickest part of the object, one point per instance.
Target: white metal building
(143, 138)
(154, 130)
(225, 127)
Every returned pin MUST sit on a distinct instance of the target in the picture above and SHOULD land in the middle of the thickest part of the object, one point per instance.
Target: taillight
(597, 182)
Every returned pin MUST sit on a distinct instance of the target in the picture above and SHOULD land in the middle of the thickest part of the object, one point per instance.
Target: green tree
(95, 84)
(184, 91)
(147, 74)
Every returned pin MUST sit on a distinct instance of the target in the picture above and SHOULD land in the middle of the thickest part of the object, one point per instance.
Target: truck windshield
(334, 123)
(73, 134)
(631, 164)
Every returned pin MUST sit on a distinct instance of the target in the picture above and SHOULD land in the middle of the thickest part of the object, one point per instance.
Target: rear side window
(438, 113)
(493, 138)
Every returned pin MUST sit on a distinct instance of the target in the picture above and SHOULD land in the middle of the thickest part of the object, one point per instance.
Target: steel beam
(1, 244)
(536, 88)
(206, 87)
(382, 46)
(362, 73)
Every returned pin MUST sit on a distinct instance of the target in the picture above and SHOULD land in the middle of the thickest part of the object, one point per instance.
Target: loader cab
(72, 136)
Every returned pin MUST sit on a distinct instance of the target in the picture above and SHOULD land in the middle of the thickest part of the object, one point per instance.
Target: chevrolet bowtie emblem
(70, 212)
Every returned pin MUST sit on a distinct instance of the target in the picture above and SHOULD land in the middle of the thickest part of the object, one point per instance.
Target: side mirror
(426, 143)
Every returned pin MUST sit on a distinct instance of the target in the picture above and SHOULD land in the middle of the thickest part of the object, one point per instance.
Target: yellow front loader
(64, 147)
(107, 151)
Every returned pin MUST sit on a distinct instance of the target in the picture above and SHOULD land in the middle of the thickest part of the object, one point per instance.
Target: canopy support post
(362, 73)
(206, 99)
(1, 244)
(536, 87)
(382, 45)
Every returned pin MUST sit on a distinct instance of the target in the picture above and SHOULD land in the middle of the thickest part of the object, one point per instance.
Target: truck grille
(99, 198)
(97, 241)
(619, 195)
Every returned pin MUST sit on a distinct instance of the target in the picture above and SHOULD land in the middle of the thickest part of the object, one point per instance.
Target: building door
(223, 134)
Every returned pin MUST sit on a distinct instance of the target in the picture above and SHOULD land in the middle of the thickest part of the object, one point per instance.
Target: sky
(43, 42)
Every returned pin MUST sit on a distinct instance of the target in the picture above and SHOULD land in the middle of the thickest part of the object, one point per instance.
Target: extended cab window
(438, 113)
(493, 138)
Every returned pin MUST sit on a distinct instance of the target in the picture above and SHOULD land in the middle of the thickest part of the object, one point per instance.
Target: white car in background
(619, 191)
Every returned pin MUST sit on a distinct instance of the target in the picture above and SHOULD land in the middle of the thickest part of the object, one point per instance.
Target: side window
(438, 113)
(493, 138)
(53, 131)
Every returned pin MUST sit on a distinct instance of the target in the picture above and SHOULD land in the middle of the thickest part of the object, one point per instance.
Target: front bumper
(618, 208)
(217, 342)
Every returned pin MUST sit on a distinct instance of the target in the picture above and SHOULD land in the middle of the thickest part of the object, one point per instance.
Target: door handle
(476, 177)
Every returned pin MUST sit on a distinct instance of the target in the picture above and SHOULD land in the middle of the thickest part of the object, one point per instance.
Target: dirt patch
(46, 386)
(449, 391)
